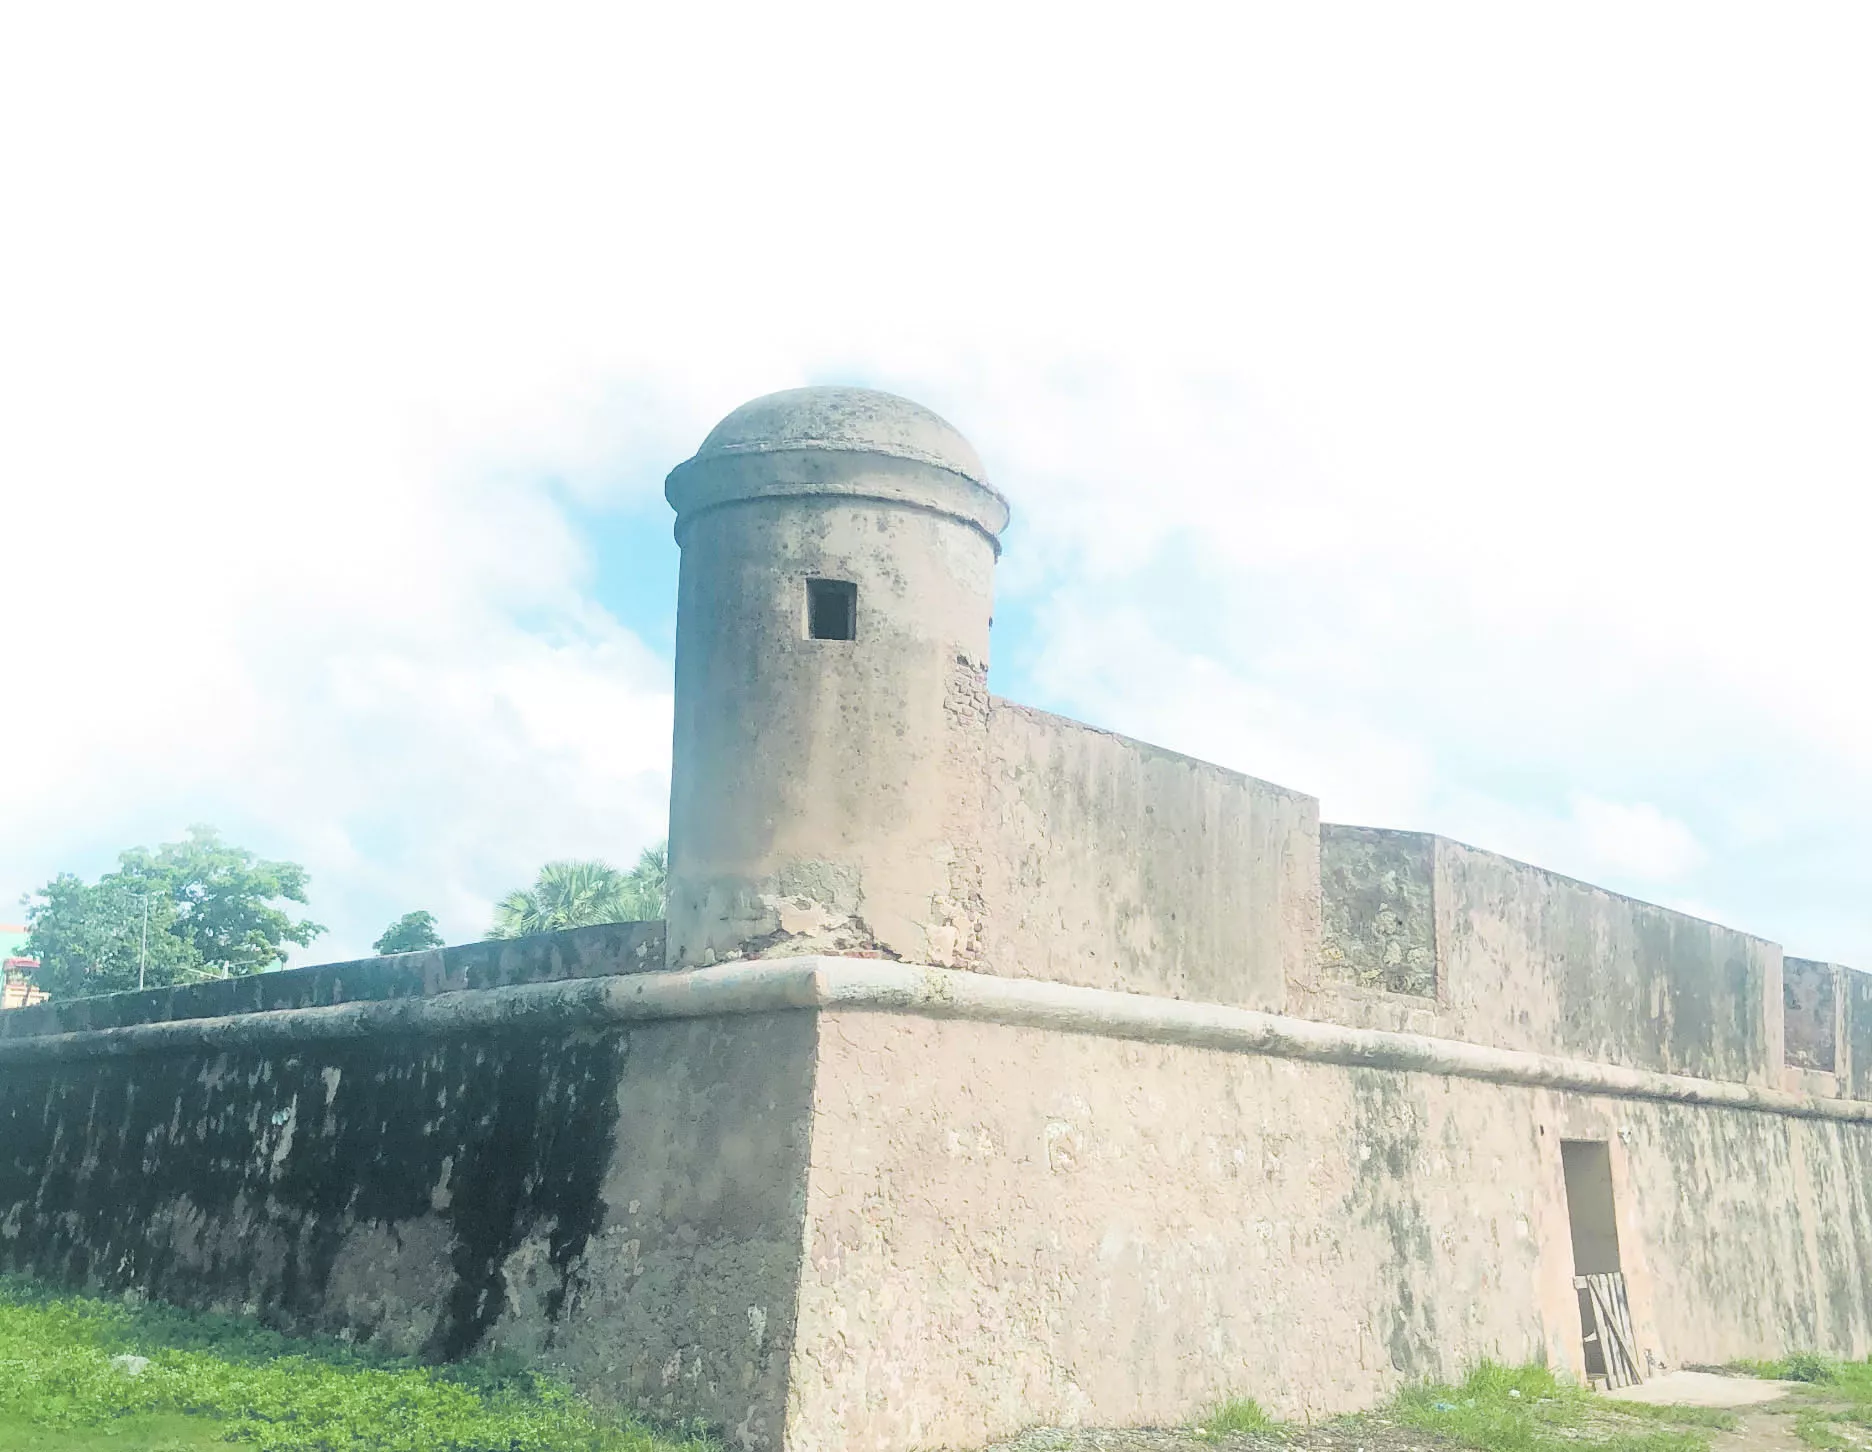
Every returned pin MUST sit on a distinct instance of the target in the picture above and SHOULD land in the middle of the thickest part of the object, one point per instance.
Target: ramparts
(1115, 864)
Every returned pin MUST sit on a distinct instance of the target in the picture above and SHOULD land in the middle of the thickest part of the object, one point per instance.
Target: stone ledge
(862, 984)
(604, 950)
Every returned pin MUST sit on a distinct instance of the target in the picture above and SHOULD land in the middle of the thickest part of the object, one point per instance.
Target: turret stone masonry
(838, 552)
(991, 1070)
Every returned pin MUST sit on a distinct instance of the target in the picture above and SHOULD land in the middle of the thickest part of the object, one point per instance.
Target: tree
(199, 908)
(579, 894)
(648, 884)
(410, 933)
(91, 938)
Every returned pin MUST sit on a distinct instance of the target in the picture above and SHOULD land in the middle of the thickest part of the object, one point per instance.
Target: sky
(1456, 412)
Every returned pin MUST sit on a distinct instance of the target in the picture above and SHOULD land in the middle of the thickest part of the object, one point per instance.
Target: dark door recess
(1605, 1314)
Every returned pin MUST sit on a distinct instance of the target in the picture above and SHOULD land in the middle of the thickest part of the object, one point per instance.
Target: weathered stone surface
(610, 948)
(1114, 864)
(936, 1207)
(822, 790)
(1539, 961)
(1377, 910)
(1081, 1230)
(622, 1203)
(1528, 959)
(1810, 1010)
(1858, 1015)
(684, 1295)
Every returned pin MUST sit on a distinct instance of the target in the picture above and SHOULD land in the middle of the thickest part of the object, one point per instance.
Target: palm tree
(580, 893)
(648, 883)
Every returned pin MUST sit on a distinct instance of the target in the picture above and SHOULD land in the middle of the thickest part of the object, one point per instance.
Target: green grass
(1849, 1379)
(1840, 1381)
(1801, 1366)
(161, 1433)
(1529, 1409)
(1516, 1409)
(1676, 1414)
(1237, 1414)
(214, 1380)
(1814, 1427)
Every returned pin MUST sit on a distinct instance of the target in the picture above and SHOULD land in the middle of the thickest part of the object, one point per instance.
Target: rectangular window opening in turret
(831, 610)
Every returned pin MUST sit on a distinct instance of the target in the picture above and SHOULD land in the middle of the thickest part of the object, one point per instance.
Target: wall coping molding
(881, 985)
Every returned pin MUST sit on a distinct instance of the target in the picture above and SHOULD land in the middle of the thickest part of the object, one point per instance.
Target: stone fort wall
(1115, 864)
(437, 1153)
(991, 1069)
(807, 1198)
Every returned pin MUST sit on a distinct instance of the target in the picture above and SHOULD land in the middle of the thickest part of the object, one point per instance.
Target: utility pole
(143, 950)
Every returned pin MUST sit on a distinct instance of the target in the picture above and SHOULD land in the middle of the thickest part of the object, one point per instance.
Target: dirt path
(1763, 1426)
(1363, 1434)
(1770, 1427)
(1763, 1429)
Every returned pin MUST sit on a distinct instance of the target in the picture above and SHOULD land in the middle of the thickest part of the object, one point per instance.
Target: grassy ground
(1493, 1409)
(1841, 1415)
(213, 1380)
(165, 1433)
(1529, 1409)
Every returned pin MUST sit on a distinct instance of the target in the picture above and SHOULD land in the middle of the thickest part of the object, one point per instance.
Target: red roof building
(17, 988)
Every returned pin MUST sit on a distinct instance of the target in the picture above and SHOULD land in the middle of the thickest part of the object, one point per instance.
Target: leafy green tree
(91, 937)
(410, 933)
(199, 908)
(647, 884)
(581, 893)
(224, 898)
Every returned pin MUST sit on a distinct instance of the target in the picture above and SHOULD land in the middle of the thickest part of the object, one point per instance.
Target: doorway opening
(1588, 1166)
(1598, 1278)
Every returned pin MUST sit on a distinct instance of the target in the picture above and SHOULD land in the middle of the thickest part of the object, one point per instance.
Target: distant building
(17, 988)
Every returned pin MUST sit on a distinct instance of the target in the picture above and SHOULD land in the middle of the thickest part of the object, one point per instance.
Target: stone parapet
(825, 1202)
(609, 948)
(857, 984)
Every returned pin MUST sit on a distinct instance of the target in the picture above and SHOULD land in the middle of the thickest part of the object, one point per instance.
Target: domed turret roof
(856, 420)
(824, 441)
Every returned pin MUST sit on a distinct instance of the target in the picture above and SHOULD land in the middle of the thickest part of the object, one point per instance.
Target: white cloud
(394, 679)
(1450, 409)
(1636, 838)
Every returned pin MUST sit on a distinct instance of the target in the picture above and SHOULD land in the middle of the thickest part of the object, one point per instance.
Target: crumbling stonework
(820, 781)
(959, 915)
(1810, 1008)
(1379, 926)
